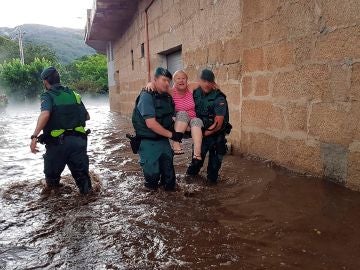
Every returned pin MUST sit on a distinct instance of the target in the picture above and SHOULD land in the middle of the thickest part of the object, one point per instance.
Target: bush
(22, 81)
(86, 74)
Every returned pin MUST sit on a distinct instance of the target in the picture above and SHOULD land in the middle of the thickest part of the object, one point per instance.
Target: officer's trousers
(156, 160)
(216, 146)
(71, 151)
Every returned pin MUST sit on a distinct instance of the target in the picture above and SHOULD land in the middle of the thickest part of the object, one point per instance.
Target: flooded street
(255, 218)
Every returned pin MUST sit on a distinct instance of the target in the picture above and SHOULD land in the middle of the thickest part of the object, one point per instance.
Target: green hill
(67, 43)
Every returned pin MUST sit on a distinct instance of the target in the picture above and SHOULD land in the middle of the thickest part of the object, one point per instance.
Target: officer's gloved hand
(177, 136)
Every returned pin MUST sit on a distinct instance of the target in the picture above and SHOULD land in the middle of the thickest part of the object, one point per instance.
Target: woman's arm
(193, 85)
(150, 87)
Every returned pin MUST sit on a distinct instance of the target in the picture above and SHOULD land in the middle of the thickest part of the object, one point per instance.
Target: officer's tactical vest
(205, 106)
(67, 112)
(164, 112)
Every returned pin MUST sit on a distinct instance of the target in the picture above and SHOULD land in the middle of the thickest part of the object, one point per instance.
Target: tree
(9, 49)
(32, 51)
(23, 81)
(87, 74)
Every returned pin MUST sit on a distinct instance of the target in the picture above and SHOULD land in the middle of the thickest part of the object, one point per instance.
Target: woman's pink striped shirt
(184, 102)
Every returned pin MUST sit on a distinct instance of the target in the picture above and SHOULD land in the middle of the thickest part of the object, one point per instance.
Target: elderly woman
(186, 119)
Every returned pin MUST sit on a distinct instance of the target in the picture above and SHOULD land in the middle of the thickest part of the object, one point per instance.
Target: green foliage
(87, 74)
(22, 81)
(8, 49)
(32, 51)
(67, 43)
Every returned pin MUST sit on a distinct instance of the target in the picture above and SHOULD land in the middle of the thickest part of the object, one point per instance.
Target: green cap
(47, 72)
(207, 75)
(160, 71)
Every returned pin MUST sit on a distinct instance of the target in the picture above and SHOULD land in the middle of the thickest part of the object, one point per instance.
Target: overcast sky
(59, 13)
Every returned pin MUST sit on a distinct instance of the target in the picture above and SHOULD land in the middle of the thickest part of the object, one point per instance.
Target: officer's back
(62, 121)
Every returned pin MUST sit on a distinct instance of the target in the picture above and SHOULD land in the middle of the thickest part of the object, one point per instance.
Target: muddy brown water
(255, 218)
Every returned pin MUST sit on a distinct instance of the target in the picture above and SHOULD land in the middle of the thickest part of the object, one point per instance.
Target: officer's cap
(47, 72)
(160, 71)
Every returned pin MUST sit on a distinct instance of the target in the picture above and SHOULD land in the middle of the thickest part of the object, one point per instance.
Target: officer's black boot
(151, 181)
(83, 182)
(194, 167)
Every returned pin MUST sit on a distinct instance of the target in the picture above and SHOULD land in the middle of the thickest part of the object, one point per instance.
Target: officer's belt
(48, 139)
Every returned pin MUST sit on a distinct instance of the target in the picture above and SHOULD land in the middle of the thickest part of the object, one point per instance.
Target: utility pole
(21, 48)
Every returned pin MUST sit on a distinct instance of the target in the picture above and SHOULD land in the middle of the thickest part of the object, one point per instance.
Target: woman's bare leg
(181, 124)
(196, 134)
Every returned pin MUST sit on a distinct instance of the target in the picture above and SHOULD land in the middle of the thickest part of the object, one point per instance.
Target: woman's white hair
(180, 72)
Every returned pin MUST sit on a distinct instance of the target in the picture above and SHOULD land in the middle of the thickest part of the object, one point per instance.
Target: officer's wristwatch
(33, 137)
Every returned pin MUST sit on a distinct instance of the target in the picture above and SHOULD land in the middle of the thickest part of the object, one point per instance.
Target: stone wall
(290, 69)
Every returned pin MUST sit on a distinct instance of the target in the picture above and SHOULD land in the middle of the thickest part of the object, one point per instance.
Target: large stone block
(262, 85)
(260, 144)
(354, 120)
(232, 92)
(339, 89)
(273, 29)
(262, 114)
(255, 34)
(338, 45)
(167, 5)
(253, 60)
(298, 155)
(332, 123)
(234, 71)
(188, 58)
(247, 86)
(335, 13)
(220, 73)
(232, 51)
(169, 21)
(259, 9)
(355, 82)
(298, 17)
(353, 174)
(201, 56)
(192, 73)
(296, 117)
(188, 8)
(279, 55)
(305, 83)
(216, 52)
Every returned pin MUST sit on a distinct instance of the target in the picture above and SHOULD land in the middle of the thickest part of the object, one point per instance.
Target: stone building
(290, 70)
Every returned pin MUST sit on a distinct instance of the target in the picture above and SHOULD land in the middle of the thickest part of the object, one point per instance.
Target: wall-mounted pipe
(147, 39)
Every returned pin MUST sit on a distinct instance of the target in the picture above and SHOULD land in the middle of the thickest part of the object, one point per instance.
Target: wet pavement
(255, 218)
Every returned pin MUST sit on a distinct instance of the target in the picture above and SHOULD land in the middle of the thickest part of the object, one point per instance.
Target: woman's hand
(215, 86)
(150, 87)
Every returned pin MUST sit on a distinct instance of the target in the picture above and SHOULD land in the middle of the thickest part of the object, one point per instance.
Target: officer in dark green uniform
(62, 121)
(153, 123)
(211, 107)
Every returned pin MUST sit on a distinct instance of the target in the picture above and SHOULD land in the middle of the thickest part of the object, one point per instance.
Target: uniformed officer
(62, 120)
(153, 123)
(211, 107)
